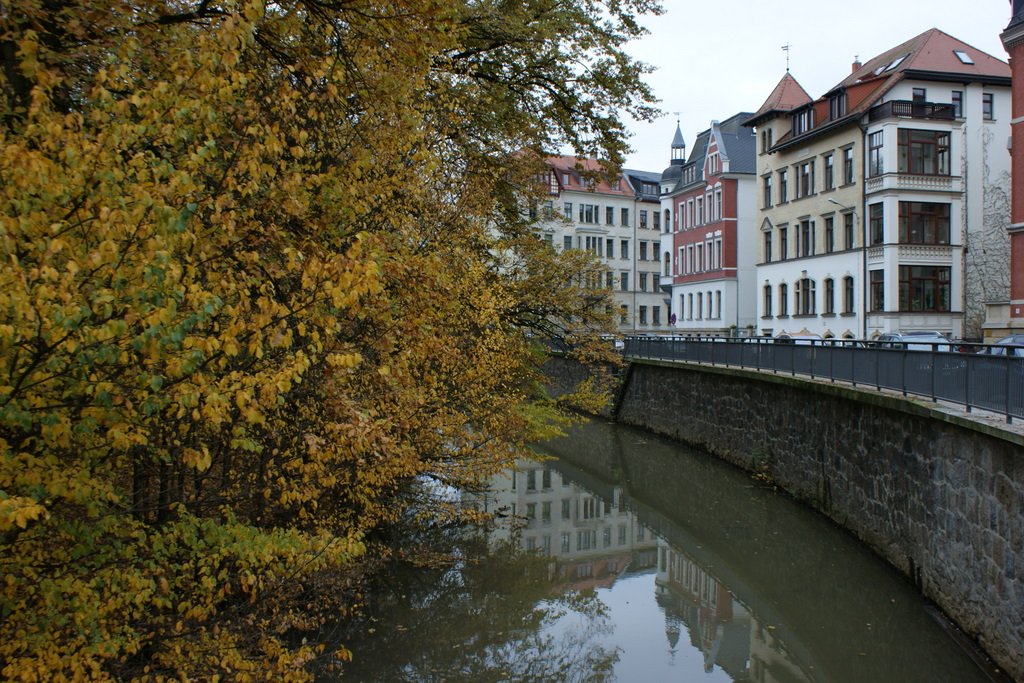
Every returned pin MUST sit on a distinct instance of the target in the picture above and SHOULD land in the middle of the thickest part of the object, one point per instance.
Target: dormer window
(963, 57)
(837, 106)
(803, 121)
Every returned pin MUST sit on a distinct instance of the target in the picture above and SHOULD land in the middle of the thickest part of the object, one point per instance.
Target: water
(636, 559)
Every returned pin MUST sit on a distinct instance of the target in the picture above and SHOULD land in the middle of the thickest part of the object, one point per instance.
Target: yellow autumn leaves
(255, 285)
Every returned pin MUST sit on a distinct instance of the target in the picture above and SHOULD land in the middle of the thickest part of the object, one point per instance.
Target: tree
(264, 266)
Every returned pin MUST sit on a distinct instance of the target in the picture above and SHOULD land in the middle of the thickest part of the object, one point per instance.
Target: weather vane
(786, 48)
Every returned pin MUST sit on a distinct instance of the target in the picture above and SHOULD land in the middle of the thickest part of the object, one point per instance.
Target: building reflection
(593, 538)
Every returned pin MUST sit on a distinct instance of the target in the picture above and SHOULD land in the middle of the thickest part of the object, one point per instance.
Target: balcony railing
(979, 376)
(907, 109)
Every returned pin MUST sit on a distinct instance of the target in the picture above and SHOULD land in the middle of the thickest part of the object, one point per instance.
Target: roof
(637, 179)
(737, 143)
(932, 55)
(677, 139)
(786, 96)
(932, 52)
(570, 175)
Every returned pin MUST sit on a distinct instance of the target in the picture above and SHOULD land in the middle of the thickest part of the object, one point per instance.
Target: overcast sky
(716, 59)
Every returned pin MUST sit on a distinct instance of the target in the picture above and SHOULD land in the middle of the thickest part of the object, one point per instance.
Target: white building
(618, 221)
(883, 202)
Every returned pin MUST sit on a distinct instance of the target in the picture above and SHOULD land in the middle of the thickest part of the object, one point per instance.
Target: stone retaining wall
(939, 496)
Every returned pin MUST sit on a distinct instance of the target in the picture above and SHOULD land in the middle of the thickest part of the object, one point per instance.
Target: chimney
(856, 65)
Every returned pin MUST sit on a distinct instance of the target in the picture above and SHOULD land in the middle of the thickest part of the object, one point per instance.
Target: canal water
(632, 558)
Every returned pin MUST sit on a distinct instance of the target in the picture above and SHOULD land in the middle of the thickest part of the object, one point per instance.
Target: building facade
(1008, 318)
(708, 250)
(880, 207)
(618, 221)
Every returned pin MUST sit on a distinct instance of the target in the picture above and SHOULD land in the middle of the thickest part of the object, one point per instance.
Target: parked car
(916, 340)
(799, 338)
(1012, 345)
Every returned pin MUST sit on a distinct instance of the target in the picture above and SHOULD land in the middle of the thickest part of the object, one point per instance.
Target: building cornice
(1012, 36)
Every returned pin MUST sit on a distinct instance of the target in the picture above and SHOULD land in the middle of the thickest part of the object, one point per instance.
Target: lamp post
(864, 264)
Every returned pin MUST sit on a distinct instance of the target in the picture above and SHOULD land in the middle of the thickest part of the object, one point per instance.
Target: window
(624, 281)
(700, 211)
(624, 249)
(643, 251)
(609, 215)
(624, 217)
(656, 217)
(623, 314)
(718, 204)
(803, 121)
(963, 56)
(656, 315)
(689, 308)
(700, 305)
(767, 199)
(837, 106)
(643, 220)
(877, 290)
(830, 296)
(958, 103)
(782, 186)
(768, 247)
(718, 303)
(545, 511)
(988, 106)
(805, 238)
(924, 223)
(924, 288)
(848, 236)
(830, 234)
(848, 166)
(589, 213)
(847, 294)
(655, 282)
(805, 299)
(643, 315)
(567, 242)
(783, 244)
(830, 177)
(767, 301)
(876, 223)
(875, 160)
(783, 300)
(568, 210)
(923, 151)
(920, 95)
(609, 280)
(805, 186)
(643, 282)
(609, 248)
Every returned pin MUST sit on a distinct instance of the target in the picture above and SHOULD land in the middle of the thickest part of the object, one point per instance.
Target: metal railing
(983, 380)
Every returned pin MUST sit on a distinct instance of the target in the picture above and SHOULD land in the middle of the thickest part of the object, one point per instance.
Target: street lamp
(864, 265)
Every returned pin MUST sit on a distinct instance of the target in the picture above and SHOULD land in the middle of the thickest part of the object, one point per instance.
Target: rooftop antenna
(786, 49)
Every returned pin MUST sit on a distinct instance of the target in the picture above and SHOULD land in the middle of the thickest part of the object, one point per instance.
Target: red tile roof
(788, 94)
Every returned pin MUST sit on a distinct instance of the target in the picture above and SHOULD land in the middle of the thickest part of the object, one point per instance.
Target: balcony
(906, 109)
(914, 182)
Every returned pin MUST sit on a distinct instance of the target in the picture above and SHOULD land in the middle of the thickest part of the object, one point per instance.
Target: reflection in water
(643, 561)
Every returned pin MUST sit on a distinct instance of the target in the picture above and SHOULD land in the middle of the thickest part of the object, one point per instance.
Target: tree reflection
(491, 615)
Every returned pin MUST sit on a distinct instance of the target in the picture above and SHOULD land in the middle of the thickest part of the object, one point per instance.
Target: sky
(713, 61)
